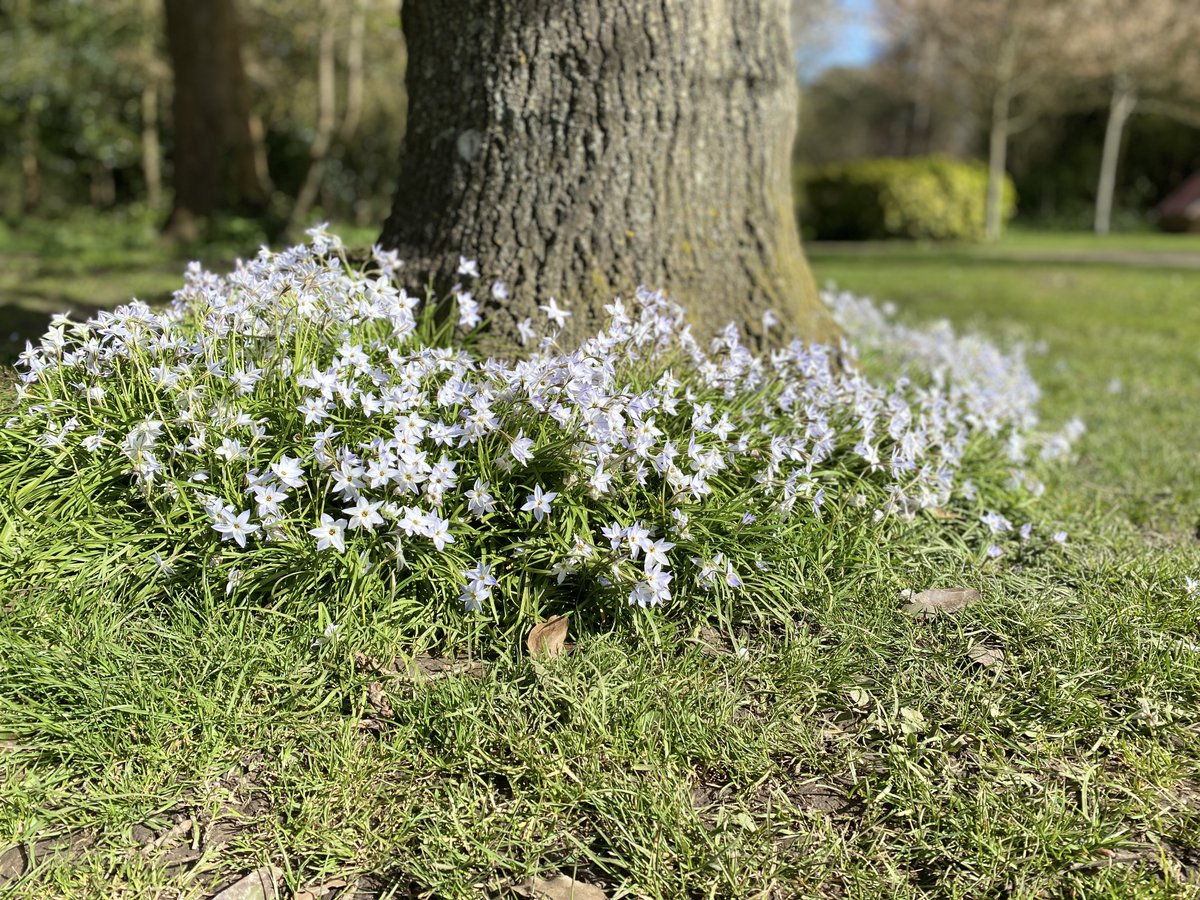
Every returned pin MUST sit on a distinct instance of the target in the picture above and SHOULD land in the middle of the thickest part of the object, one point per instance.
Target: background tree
(328, 84)
(217, 165)
(68, 75)
(154, 74)
(578, 150)
(1148, 56)
(327, 115)
(1014, 54)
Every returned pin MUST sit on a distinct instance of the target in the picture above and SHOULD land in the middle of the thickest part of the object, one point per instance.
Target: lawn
(1042, 742)
(1116, 345)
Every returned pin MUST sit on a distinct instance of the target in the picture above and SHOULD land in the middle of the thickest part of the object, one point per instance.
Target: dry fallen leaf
(364, 663)
(378, 700)
(321, 891)
(169, 837)
(430, 668)
(988, 657)
(940, 600)
(561, 887)
(548, 639)
(261, 884)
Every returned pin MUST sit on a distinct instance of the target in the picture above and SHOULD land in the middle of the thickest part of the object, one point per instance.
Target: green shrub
(926, 198)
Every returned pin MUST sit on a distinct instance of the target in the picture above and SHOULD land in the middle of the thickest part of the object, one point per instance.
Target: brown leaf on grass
(168, 838)
(548, 639)
(261, 884)
(422, 667)
(939, 600)
(1144, 853)
(321, 891)
(430, 668)
(378, 700)
(712, 643)
(560, 887)
(988, 657)
(366, 664)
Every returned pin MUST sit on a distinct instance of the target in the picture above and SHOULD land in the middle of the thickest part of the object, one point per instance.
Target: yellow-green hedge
(923, 198)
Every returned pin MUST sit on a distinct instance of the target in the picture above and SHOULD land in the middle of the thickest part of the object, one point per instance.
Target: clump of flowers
(298, 415)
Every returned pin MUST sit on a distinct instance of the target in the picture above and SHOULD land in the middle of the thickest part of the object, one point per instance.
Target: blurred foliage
(900, 105)
(71, 75)
(72, 82)
(280, 50)
(1054, 167)
(75, 77)
(919, 198)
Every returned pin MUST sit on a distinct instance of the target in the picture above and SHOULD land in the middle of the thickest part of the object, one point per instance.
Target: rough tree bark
(580, 149)
(214, 159)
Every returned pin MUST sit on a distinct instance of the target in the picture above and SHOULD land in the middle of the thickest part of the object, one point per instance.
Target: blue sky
(853, 43)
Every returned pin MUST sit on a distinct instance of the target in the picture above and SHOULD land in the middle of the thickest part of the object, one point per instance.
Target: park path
(1158, 259)
(1141, 258)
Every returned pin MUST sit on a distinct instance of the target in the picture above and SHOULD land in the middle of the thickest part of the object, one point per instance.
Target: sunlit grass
(849, 751)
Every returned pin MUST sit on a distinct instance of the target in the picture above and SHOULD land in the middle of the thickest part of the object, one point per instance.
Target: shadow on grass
(19, 323)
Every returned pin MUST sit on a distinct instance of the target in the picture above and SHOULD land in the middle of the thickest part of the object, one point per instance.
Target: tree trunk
(355, 72)
(151, 143)
(103, 188)
(326, 119)
(151, 148)
(214, 158)
(31, 178)
(997, 162)
(1124, 102)
(580, 149)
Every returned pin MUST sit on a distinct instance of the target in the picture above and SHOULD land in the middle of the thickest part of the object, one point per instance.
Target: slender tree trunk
(31, 170)
(326, 119)
(1002, 98)
(355, 81)
(997, 162)
(214, 160)
(151, 143)
(580, 149)
(1121, 107)
(151, 148)
(102, 187)
(31, 182)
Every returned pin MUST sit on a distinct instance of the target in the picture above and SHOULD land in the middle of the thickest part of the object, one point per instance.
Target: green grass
(855, 753)
(1122, 351)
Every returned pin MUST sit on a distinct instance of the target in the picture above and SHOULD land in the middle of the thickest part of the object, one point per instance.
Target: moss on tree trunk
(580, 149)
